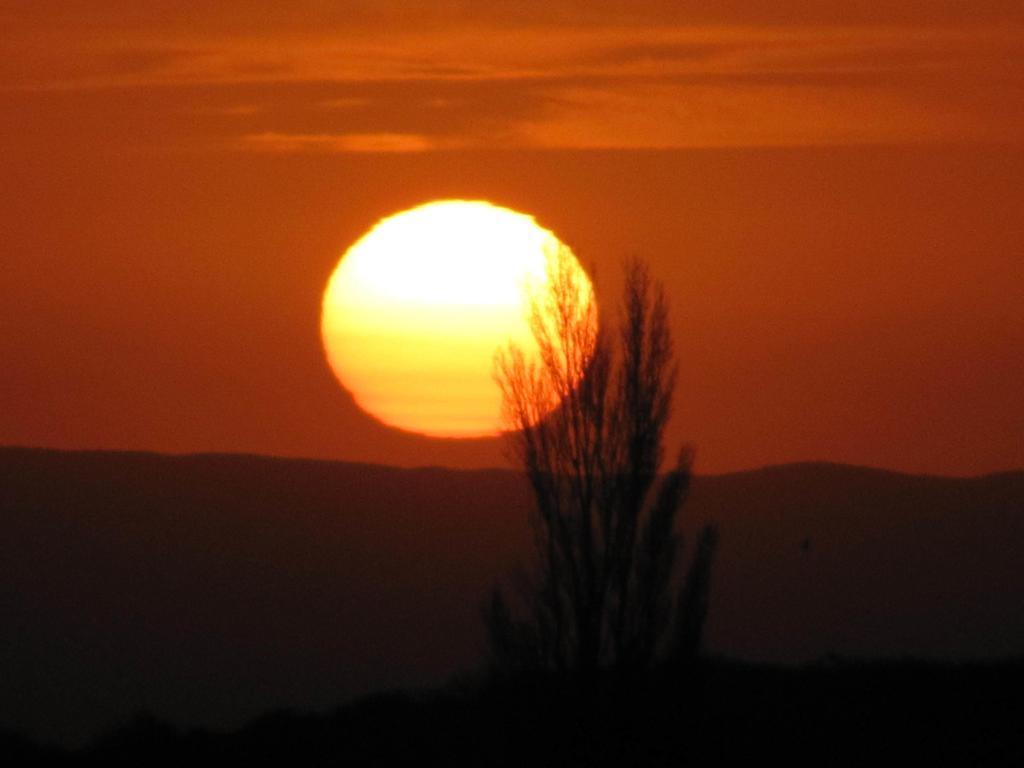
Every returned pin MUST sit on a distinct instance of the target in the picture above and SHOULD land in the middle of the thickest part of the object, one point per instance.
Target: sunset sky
(832, 194)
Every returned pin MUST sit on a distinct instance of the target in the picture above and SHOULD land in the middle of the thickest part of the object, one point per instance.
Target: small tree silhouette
(586, 424)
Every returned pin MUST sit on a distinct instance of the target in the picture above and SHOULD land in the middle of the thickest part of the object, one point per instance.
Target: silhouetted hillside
(825, 558)
(716, 713)
(208, 589)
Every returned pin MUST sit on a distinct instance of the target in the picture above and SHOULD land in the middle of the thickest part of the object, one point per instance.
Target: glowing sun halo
(416, 309)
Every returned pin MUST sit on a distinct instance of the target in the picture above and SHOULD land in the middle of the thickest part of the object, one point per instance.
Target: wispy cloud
(670, 116)
(622, 85)
(344, 142)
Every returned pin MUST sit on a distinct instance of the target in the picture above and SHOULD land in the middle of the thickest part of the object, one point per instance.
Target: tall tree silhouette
(586, 424)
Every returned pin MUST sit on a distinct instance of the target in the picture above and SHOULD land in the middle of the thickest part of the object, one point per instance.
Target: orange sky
(833, 199)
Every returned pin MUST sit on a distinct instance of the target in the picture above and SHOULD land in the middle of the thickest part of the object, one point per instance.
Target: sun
(417, 308)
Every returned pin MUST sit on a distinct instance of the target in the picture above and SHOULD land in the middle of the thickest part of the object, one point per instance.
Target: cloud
(700, 115)
(622, 85)
(351, 142)
(462, 54)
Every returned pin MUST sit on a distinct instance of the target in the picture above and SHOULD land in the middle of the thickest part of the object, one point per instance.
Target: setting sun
(417, 308)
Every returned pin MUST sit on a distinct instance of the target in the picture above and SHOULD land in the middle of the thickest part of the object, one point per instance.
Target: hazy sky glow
(832, 199)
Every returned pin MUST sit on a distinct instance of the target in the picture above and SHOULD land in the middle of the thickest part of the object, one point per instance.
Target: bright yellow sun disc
(416, 309)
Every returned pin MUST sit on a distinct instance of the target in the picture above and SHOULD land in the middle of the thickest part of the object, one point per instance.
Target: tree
(586, 424)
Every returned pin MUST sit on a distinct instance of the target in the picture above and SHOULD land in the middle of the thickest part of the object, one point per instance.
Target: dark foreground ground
(829, 714)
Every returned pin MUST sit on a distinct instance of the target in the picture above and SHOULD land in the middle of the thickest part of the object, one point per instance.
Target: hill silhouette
(717, 713)
(208, 589)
